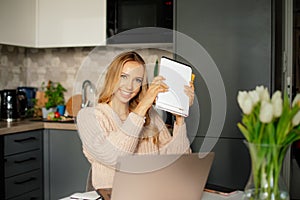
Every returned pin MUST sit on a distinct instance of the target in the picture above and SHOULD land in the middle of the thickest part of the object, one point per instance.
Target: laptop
(161, 177)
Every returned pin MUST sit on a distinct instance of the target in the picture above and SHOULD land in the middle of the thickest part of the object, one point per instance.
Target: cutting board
(73, 105)
(40, 99)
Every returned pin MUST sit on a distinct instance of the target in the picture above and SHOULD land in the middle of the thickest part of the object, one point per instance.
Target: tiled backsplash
(21, 66)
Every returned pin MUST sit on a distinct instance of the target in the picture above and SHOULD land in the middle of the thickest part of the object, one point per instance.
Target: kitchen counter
(29, 125)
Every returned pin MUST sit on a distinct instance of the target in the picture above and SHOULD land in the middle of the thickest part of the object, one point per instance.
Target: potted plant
(54, 93)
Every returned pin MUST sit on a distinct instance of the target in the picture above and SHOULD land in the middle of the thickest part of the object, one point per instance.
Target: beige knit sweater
(105, 137)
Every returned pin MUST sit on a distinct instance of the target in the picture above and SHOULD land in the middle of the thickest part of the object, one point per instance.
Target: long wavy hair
(112, 79)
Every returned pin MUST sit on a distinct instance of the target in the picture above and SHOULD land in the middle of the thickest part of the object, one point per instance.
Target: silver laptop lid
(161, 177)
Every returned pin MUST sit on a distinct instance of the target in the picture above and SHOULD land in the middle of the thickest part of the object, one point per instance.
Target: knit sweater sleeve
(176, 144)
(104, 142)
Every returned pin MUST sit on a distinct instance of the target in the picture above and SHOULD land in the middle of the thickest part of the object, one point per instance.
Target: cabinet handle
(25, 181)
(25, 139)
(25, 160)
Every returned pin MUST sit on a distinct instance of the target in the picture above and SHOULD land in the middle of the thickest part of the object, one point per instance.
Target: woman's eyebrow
(129, 75)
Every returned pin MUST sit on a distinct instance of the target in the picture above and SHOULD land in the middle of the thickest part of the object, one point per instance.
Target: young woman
(124, 122)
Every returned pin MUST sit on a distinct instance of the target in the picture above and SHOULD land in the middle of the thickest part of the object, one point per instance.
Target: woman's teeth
(125, 93)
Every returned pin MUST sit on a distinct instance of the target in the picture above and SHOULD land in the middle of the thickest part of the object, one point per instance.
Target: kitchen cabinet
(231, 164)
(237, 36)
(21, 166)
(65, 167)
(53, 23)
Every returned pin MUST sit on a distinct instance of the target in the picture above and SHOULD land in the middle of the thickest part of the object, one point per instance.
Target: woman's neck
(120, 108)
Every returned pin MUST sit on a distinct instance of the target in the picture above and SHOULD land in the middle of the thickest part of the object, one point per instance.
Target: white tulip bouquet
(269, 120)
(270, 126)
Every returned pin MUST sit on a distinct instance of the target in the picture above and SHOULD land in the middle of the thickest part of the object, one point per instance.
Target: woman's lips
(125, 94)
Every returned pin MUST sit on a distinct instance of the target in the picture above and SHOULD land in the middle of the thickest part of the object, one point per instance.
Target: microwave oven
(124, 16)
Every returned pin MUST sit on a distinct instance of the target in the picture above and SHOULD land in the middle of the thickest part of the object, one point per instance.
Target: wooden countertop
(28, 125)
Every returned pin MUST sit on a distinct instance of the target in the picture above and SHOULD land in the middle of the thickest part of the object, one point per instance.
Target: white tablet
(177, 75)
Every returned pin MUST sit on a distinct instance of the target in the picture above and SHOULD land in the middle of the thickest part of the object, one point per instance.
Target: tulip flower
(296, 100)
(296, 119)
(266, 112)
(245, 102)
(277, 104)
(254, 96)
(263, 93)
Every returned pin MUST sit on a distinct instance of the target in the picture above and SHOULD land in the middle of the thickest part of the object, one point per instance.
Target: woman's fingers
(158, 85)
(192, 85)
(158, 80)
(189, 91)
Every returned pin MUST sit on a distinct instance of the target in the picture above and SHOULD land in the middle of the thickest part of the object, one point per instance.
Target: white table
(206, 196)
(211, 196)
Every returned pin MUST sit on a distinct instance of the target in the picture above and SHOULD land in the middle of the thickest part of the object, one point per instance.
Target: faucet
(85, 102)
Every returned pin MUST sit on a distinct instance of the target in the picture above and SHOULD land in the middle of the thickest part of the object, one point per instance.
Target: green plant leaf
(54, 92)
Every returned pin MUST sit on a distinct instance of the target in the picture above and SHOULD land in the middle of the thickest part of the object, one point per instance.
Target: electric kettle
(10, 104)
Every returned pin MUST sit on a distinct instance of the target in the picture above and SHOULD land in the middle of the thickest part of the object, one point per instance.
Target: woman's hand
(155, 87)
(189, 91)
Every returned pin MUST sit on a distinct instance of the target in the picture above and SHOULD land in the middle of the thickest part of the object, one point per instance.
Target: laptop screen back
(161, 177)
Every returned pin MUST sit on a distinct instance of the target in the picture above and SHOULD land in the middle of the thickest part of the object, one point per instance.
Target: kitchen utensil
(10, 104)
(40, 99)
(73, 105)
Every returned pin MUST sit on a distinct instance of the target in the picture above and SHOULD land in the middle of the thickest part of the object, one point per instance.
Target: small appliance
(10, 104)
(28, 102)
(124, 15)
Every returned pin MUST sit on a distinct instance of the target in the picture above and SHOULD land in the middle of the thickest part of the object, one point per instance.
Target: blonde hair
(113, 77)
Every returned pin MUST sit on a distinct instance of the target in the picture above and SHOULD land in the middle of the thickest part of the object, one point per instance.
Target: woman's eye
(123, 76)
(139, 80)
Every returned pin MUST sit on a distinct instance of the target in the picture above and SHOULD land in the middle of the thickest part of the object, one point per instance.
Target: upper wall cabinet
(53, 23)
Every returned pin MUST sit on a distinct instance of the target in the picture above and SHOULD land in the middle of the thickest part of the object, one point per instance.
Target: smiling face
(131, 80)
(122, 80)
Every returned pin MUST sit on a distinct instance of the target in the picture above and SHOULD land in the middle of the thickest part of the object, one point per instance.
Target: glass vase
(266, 181)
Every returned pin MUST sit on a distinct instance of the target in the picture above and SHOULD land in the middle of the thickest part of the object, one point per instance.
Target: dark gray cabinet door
(237, 35)
(231, 166)
(65, 166)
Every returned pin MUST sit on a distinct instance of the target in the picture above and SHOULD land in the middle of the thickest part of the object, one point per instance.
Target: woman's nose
(129, 84)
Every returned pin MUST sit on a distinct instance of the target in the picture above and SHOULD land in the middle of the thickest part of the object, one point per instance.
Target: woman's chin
(125, 100)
